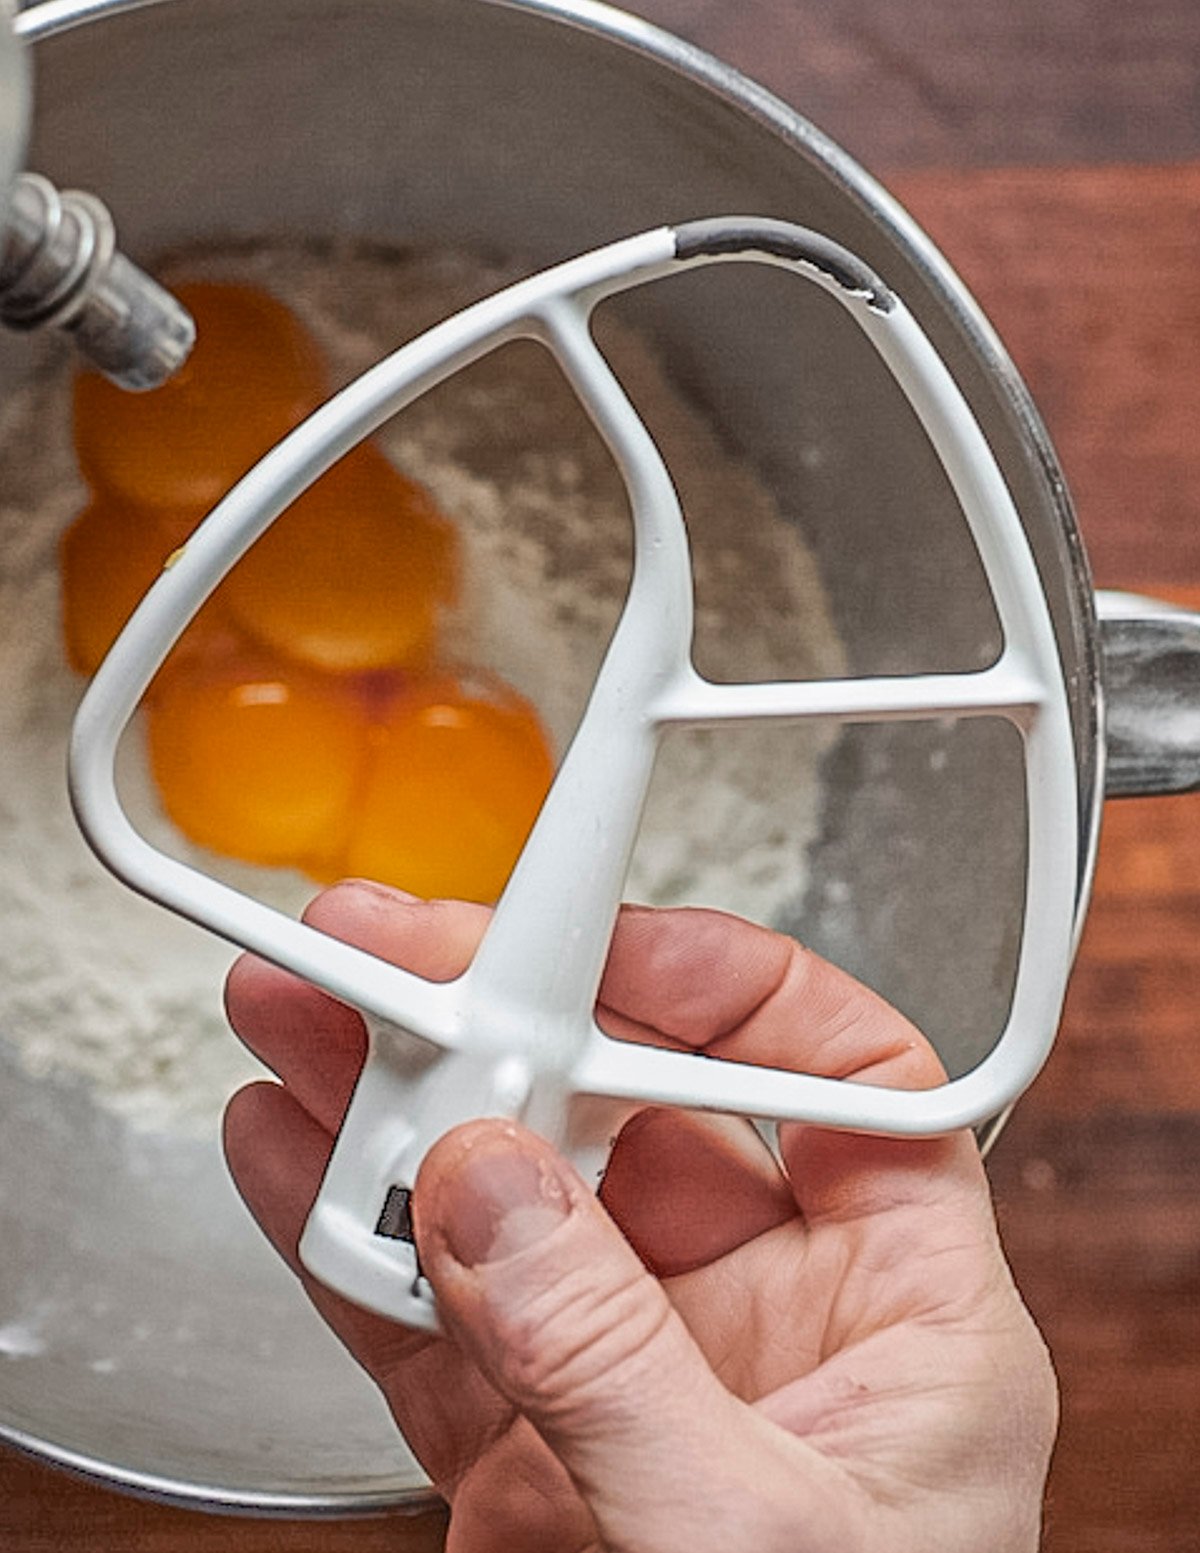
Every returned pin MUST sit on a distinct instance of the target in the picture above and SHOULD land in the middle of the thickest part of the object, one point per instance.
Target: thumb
(537, 1284)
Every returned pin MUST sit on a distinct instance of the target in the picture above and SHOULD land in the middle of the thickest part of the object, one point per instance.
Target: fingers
(691, 978)
(707, 981)
(449, 1414)
(683, 1190)
(436, 939)
(914, 1193)
(687, 1189)
(689, 975)
(277, 1156)
(315, 1044)
(543, 1292)
(308, 1039)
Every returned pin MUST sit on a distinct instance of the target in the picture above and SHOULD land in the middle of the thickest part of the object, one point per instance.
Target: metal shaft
(60, 267)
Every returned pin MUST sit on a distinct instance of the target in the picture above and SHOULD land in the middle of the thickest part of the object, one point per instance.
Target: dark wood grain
(969, 83)
(46, 1511)
(1101, 1217)
(1089, 275)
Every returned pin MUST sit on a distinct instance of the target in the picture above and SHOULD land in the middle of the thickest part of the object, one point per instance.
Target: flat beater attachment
(515, 1035)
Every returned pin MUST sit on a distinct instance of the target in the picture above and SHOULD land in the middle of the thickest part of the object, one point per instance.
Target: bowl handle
(1150, 657)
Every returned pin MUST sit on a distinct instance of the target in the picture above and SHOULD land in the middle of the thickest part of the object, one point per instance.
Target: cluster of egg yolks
(302, 720)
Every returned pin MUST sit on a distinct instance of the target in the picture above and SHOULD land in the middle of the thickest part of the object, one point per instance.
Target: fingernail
(499, 1201)
(385, 892)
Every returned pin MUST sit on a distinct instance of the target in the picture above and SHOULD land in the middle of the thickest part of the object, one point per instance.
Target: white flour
(98, 984)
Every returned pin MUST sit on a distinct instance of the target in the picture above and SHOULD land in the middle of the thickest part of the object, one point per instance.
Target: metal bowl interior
(14, 104)
(166, 1350)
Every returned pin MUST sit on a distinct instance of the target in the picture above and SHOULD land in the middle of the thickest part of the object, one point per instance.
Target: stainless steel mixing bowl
(534, 130)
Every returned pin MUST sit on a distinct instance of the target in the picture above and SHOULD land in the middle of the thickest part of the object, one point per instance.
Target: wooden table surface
(1053, 151)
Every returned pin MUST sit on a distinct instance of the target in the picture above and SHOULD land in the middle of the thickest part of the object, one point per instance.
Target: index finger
(705, 981)
(309, 1040)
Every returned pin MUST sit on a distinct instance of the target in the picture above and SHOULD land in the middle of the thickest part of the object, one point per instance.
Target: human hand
(825, 1356)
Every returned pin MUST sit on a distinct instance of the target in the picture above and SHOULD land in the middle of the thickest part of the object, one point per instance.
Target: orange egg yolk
(254, 374)
(353, 575)
(454, 782)
(303, 720)
(260, 762)
(107, 559)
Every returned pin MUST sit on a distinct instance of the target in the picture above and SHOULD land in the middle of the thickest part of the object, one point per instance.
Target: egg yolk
(107, 559)
(454, 782)
(352, 576)
(254, 374)
(260, 762)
